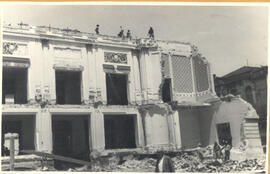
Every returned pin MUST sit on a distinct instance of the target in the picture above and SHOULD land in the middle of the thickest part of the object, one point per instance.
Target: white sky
(227, 36)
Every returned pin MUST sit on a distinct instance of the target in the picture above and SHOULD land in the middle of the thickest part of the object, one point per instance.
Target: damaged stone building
(71, 93)
(251, 84)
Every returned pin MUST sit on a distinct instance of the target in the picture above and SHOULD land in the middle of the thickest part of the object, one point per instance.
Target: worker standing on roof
(97, 29)
(121, 33)
(129, 34)
(151, 33)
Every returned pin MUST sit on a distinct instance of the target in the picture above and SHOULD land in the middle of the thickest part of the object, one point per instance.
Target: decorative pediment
(115, 57)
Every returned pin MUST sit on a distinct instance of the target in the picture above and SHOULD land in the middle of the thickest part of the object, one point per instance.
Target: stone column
(35, 72)
(100, 75)
(44, 131)
(137, 80)
(85, 76)
(92, 76)
(97, 130)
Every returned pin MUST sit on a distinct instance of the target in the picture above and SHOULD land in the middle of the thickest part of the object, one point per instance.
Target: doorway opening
(224, 133)
(24, 126)
(71, 136)
(119, 131)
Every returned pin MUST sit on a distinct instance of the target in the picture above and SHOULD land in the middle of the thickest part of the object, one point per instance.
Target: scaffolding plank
(57, 157)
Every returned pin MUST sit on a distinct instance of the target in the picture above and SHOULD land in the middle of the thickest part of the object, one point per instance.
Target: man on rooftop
(97, 29)
(151, 33)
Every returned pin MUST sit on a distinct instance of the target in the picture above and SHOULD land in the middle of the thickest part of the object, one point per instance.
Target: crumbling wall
(189, 127)
(157, 125)
(207, 124)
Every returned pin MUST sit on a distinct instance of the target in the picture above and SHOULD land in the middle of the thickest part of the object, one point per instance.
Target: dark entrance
(62, 137)
(116, 89)
(166, 90)
(14, 85)
(71, 136)
(224, 133)
(119, 131)
(24, 126)
(68, 87)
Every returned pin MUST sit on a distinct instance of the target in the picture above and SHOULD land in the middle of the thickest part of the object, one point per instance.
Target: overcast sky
(226, 36)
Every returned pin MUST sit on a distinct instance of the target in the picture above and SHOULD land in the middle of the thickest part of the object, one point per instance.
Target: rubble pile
(183, 162)
(191, 163)
(196, 160)
(131, 163)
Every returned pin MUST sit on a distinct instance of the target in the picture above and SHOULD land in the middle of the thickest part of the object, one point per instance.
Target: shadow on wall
(207, 121)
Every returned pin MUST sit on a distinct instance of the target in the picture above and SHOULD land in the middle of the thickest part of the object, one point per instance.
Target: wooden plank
(12, 154)
(57, 157)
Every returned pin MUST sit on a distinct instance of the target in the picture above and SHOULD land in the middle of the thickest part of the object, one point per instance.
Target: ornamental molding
(115, 57)
(67, 53)
(12, 48)
(9, 48)
(68, 67)
(16, 62)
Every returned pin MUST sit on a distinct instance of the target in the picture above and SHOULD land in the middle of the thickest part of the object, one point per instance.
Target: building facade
(251, 84)
(70, 93)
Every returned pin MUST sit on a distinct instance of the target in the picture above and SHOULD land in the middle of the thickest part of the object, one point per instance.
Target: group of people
(122, 35)
(128, 34)
(218, 150)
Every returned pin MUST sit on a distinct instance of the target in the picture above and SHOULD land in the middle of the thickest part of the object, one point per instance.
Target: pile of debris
(196, 160)
(124, 163)
(190, 162)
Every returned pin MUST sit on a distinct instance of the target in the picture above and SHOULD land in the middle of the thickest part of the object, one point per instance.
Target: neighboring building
(70, 93)
(251, 84)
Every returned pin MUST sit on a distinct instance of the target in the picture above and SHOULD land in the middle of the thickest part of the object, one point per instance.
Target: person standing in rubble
(217, 151)
(151, 33)
(199, 152)
(164, 164)
(227, 150)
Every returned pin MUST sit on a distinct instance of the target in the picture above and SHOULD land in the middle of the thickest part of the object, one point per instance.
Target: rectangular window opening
(119, 131)
(166, 91)
(14, 86)
(116, 85)
(68, 87)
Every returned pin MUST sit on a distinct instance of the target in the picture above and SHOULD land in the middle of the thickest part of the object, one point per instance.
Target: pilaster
(85, 76)
(44, 131)
(97, 130)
